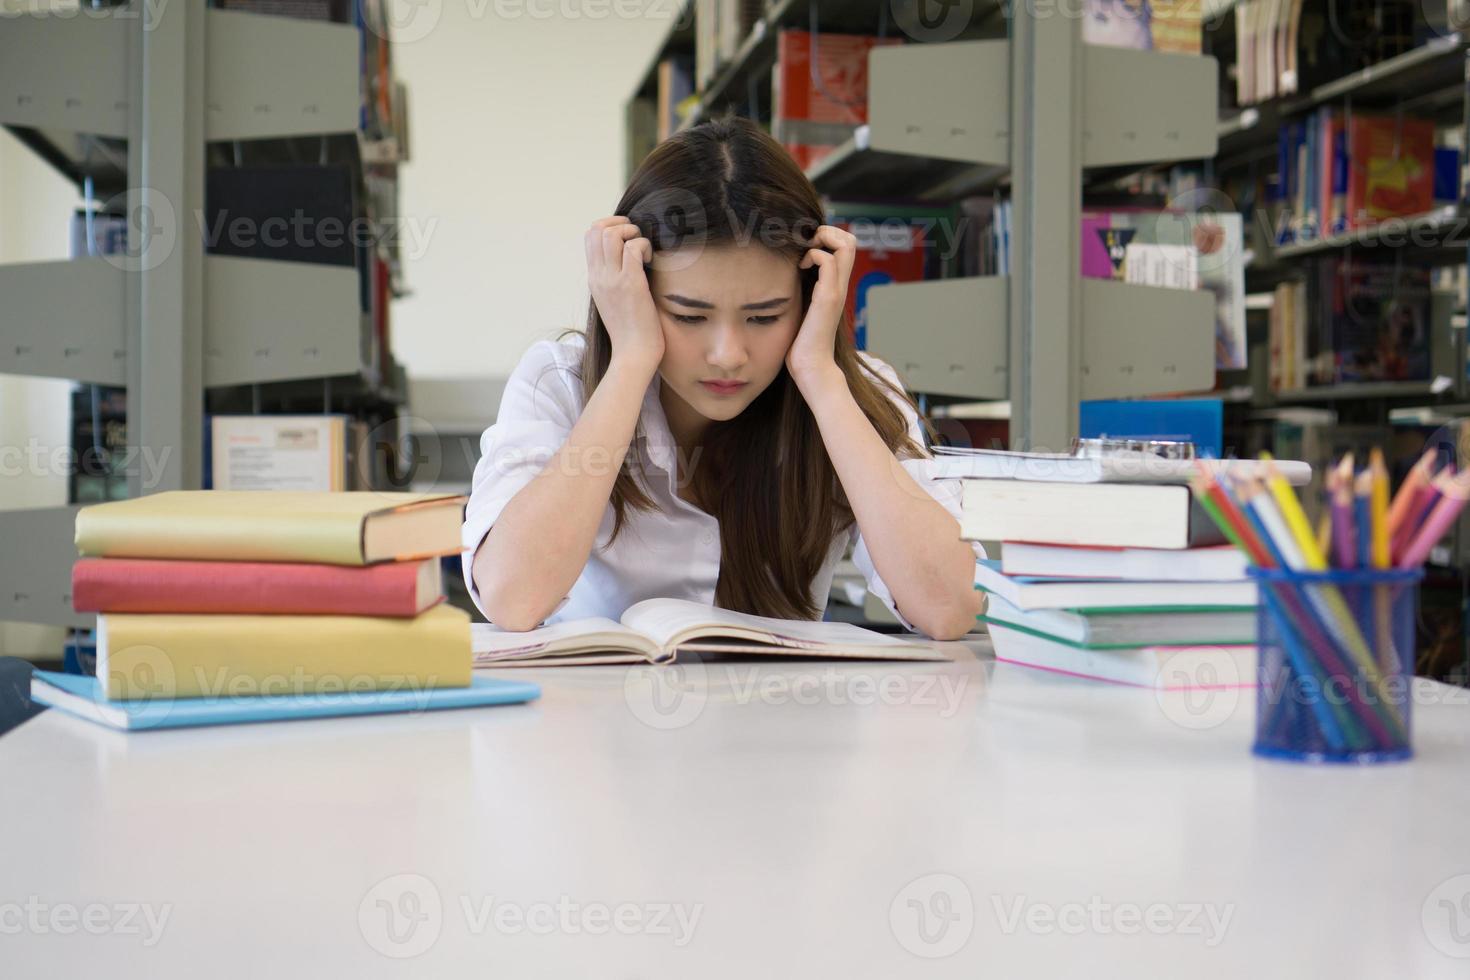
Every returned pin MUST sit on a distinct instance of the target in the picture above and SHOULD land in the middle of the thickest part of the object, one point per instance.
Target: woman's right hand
(616, 253)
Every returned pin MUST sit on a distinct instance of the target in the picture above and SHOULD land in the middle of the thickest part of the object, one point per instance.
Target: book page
(579, 636)
(671, 622)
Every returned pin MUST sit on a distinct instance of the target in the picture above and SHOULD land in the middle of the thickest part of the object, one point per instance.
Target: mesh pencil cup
(1337, 662)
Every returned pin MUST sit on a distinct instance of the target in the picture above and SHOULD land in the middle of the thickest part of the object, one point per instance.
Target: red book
(811, 118)
(152, 585)
(1390, 168)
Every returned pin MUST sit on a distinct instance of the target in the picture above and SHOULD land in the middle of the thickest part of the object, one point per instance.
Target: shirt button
(709, 537)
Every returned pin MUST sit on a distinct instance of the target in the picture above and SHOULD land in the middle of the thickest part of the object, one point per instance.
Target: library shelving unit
(128, 98)
(1019, 100)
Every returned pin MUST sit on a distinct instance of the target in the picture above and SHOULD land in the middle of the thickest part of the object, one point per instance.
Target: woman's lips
(728, 388)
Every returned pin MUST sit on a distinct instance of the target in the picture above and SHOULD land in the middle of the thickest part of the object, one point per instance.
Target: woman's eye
(686, 318)
(764, 319)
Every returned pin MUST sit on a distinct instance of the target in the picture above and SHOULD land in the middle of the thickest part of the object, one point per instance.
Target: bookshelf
(128, 103)
(1047, 108)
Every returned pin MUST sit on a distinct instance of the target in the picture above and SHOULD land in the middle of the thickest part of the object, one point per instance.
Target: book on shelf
(1179, 250)
(183, 655)
(1285, 47)
(1211, 563)
(1346, 171)
(896, 242)
(280, 452)
(676, 93)
(153, 585)
(658, 630)
(83, 698)
(1158, 25)
(1127, 626)
(1039, 592)
(99, 442)
(1165, 668)
(817, 108)
(1355, 319)
(350, 528)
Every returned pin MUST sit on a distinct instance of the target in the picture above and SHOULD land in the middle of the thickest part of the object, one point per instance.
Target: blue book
(82, 696)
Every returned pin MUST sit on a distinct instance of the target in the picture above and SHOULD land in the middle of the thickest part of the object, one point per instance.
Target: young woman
(713, 435)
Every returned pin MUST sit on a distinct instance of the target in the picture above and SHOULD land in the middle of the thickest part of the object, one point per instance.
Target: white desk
(1066, 820)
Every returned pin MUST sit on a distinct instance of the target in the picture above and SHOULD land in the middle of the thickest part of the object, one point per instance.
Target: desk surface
(771, 820)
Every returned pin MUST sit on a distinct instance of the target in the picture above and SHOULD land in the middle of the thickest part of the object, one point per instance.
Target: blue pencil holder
(1336, 664)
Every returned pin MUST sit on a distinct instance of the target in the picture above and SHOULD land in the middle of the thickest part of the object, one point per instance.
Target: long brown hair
(765, 474)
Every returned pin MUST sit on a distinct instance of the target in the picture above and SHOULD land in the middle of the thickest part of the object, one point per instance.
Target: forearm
(540, 542)
(914, 542)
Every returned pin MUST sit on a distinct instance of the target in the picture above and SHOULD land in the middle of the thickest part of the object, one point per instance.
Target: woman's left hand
(813, 350)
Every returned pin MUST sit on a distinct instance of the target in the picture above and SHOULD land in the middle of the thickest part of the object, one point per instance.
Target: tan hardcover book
(159, 656)
(350, 528)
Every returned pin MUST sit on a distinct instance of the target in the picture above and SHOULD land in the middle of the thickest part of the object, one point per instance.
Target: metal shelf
(64, 320)
(276, 76)
(757, 53)
(1444, 227)
(132, 101)
(275, 321)
(1136, 340)
(37, 587)
(1353, 391)
(679, 39)
(943, 336)
(927, 141)
(855, 169)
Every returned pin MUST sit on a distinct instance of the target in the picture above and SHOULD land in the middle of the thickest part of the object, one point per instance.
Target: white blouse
(673, 552)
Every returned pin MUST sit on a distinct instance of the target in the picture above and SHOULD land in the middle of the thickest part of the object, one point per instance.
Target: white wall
(517, 131)
(35, 208)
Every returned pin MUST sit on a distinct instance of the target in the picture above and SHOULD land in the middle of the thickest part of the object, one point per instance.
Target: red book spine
(145, 585)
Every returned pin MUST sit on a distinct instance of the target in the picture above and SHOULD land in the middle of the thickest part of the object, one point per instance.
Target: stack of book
(1108, 568)
(239, 594)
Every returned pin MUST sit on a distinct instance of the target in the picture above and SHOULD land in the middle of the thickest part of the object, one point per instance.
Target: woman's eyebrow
(700, 304)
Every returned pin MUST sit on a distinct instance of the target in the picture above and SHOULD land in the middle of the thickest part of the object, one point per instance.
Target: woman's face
(729, 312)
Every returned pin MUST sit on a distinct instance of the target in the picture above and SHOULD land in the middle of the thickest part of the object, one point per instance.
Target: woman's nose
(728, 352)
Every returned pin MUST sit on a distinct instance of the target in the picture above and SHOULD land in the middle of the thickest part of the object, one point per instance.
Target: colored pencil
(1363, 513)
(1417, 478)
(1379, 508)
(1344, 545)
(1454, 491)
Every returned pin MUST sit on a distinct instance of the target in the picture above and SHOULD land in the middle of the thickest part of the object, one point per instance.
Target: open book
(655, 630)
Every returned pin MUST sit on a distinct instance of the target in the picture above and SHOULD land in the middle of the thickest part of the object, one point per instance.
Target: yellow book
(160, 656)
(353, 528)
